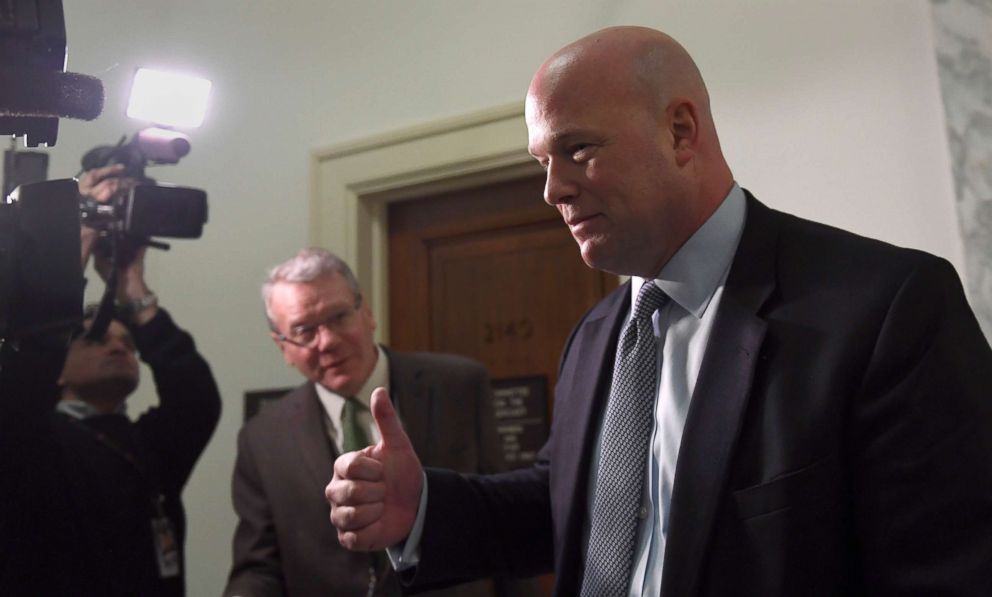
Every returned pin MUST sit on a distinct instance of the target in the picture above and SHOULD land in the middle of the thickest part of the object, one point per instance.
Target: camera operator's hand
(103, 185)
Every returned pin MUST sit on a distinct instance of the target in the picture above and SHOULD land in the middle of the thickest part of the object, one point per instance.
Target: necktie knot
(649, 299)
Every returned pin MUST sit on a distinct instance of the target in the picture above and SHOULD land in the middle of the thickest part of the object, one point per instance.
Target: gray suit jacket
(284, 543)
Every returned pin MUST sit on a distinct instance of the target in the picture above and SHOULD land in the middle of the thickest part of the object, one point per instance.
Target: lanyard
(127, 456)
(163, 532)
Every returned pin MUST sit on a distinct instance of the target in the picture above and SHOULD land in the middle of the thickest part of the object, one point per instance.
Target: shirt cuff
(406, 555)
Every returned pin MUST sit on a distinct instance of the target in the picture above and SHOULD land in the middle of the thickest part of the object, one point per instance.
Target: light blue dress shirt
(693, 278)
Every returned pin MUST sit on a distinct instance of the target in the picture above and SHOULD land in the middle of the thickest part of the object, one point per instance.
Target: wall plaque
(521, 406)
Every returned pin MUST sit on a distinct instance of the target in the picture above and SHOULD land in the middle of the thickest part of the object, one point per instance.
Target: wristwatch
(132, 308)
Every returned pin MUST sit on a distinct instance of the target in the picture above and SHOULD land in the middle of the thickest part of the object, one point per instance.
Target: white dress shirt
(333, 403)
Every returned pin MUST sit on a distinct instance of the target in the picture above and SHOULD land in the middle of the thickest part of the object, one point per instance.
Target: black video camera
(149, 209)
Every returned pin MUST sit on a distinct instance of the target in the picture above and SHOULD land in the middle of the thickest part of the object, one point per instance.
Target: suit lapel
(576, 426)
(413, 399)
(307, 423)
(718, 403)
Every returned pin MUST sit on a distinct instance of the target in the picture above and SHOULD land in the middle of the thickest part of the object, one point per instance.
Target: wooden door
(491, 273)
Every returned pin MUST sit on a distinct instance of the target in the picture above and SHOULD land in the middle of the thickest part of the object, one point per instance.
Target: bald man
(792, 410)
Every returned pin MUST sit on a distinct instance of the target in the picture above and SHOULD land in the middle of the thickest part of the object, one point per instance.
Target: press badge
(166, 548)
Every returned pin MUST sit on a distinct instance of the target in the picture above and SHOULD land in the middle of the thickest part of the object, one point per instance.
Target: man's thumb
(390, 428)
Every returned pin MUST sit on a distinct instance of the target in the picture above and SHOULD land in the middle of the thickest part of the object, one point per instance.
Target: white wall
(827, 109)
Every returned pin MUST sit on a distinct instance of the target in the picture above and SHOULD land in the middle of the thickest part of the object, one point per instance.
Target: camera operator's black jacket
(75, 516)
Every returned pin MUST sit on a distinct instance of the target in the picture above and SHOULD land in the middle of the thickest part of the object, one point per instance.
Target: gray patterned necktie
(624, 452)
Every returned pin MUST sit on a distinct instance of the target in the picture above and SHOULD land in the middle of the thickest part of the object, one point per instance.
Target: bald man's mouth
(577, 223)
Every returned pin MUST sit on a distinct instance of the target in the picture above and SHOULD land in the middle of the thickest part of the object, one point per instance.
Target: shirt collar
(378, 377)
(700, 266)
(77, 409)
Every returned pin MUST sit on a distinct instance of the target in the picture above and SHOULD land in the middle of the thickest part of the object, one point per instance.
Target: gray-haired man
(284, 544)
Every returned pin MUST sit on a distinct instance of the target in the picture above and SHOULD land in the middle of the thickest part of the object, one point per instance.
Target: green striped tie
(354, 436)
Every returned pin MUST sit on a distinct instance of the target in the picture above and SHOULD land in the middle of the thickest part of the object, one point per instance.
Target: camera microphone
(33, 100)
(54, 94)
(35, 90)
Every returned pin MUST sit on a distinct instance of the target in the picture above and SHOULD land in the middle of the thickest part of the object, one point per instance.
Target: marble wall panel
(963, 37)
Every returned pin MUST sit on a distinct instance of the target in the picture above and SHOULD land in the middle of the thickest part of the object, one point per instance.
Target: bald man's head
(630, 62)
(621, 120)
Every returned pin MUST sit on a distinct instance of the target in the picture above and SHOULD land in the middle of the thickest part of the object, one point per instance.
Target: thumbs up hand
(375, 491)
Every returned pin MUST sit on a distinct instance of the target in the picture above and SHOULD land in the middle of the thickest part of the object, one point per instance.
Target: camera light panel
(168, 99)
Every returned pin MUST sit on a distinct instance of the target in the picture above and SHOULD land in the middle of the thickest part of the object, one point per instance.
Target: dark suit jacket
(284, 543)
(838, 442)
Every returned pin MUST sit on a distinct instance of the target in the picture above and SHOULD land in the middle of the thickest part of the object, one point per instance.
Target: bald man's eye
(581, 152)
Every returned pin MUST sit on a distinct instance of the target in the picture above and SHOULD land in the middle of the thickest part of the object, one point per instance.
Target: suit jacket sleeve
(257, 568)
(189, 401)
(922, 445)
(485, 525)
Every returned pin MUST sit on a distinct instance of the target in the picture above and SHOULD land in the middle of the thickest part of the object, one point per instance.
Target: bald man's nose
(559, 187)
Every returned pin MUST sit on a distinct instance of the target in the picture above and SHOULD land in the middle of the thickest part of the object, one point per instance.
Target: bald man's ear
(684, 125)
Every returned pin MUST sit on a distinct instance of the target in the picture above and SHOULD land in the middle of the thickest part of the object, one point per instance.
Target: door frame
(352, 183)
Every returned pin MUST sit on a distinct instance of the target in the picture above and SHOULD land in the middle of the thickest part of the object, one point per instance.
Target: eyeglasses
(307, 336)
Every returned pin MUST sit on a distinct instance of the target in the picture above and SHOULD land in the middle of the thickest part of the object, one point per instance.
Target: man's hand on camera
(103, 185)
